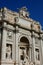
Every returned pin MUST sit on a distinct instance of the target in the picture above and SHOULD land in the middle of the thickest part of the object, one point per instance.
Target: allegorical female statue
(8, 52)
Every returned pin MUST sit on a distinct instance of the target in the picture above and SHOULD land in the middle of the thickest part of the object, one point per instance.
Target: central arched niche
(24, 39)
(24, 42)
(24, 48)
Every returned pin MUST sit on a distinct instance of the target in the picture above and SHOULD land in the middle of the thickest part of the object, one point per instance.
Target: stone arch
(26, 37)
(24, 50)
(24, 43)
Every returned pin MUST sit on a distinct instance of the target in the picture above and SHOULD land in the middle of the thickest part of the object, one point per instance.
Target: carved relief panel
(10, 35)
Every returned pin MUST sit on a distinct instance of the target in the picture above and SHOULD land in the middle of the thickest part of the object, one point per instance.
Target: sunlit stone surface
(21, 38)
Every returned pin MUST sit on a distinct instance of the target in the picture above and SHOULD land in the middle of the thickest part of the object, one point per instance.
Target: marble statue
(8, 52)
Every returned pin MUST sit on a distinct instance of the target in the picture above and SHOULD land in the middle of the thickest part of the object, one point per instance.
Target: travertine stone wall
(14, 27)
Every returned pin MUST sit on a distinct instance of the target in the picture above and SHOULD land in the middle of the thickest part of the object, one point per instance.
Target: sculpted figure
(26, 59)
(9, 52)
(31, 63)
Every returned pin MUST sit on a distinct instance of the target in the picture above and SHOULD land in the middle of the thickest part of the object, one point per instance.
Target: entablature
(16, 19)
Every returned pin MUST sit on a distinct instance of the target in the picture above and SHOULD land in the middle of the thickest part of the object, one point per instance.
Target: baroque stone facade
(21, 38)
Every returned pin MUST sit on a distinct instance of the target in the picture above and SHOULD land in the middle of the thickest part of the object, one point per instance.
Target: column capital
(40, 37)
(32, 34)
(16, 29)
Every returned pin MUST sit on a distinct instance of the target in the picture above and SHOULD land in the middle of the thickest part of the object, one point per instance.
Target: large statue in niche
(24, 57)
(24, 52)
(9, 52)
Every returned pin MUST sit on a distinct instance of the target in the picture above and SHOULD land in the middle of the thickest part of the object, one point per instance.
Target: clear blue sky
(35, 7)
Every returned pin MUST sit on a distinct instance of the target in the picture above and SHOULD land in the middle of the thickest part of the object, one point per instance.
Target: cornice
(12, 22)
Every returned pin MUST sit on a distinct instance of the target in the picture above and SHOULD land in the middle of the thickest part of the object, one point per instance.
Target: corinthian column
(40, 49)
(4, 43)
(33, 47)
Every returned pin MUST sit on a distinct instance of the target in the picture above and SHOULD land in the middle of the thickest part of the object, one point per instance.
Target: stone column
(17, 49)
(4, 43)
(40, 50)
(17, 43)
(30, 53)
(33, 47)
(14, 48)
